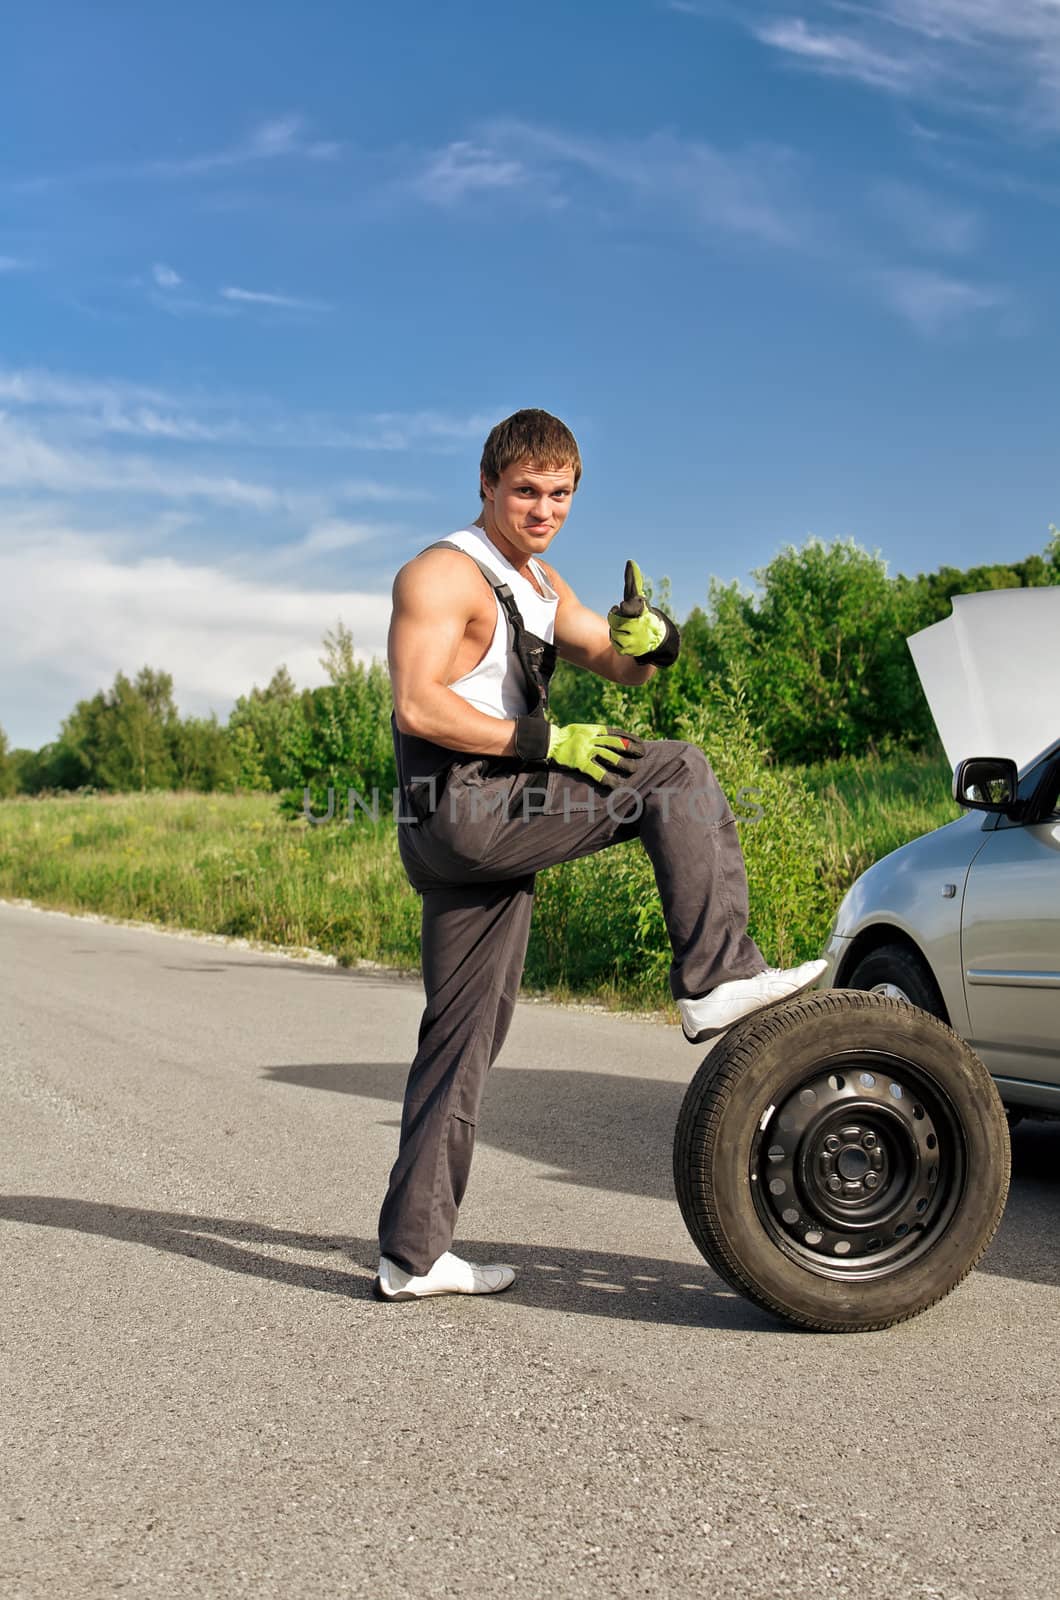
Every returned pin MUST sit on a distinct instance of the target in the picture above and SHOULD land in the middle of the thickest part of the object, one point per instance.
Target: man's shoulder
(437, 555)
(443, 574)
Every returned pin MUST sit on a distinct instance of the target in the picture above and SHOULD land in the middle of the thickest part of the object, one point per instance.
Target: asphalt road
(200, 1396)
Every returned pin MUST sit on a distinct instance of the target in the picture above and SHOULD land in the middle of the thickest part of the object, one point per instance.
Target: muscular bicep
(432, 608)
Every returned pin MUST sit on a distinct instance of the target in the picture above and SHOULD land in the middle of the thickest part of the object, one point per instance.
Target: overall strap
(536, 657)
(421, 762)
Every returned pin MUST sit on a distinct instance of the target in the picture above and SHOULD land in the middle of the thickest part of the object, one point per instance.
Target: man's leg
(474, 947)
(673, 803)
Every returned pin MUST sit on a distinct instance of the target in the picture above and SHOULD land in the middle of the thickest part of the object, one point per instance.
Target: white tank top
(496, 684)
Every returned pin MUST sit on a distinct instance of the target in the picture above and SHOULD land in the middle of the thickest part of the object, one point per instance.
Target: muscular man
(492, 792)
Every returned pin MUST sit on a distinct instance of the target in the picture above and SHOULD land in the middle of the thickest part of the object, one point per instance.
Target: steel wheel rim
(891, 991)
(857, 1169)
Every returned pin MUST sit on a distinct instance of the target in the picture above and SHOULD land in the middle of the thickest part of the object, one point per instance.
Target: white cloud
(166, 277)
(96, 406)
(366, 489)
(279, 138)
(28, 461)
(926, 221)
(33, 386)
(268, 141)
(994, 57)
(411, 430)
(840, 54)
(464, 168)
(261, 297)
(325, 538)
(143, 422)
(190, 305)
(285, 136)
(88, 610)
(932, 302)
(336, 534)
(751, 191)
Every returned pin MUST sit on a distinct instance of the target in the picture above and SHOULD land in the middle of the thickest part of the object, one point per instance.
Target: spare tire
(842, 1160)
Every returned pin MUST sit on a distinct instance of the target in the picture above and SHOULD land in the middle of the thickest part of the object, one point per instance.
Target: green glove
(583, 746)
(640, 630)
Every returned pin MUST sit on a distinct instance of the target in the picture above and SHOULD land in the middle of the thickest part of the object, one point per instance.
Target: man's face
(529, 507)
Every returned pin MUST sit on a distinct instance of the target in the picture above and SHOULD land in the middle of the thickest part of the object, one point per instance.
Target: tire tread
(707, 1098)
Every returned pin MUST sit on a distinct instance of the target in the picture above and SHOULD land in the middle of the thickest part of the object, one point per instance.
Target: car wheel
(842, 1160)
(898, 973)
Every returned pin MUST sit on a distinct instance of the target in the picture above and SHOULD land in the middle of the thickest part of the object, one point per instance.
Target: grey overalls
(479, 828)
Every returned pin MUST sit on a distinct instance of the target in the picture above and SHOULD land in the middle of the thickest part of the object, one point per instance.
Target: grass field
(869, 806)
(230, 864)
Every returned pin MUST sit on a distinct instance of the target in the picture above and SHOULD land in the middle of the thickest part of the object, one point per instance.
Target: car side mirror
(987, 783)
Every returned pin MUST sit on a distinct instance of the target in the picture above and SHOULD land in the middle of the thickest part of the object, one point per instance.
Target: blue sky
(268, 274)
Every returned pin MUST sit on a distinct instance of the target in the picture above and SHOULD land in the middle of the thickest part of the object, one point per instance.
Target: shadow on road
(1027, 1245)
(586, 1282)
(600, 1130)
(366, 977)
(611, 1132)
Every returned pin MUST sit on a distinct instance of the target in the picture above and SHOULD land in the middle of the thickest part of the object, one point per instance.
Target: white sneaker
(449, 1275)
(713, 1013)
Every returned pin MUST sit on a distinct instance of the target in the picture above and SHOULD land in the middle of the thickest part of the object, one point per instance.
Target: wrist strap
(532, 735)
(665, 654)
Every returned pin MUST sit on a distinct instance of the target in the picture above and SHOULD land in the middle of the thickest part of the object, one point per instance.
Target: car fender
(917, 892)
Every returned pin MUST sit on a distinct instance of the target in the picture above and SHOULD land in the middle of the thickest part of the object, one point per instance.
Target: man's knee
(687, 790)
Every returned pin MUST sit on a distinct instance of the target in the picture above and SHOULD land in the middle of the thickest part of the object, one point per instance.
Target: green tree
(25, 767)
(202, 754)
(928, 597)
(821, 650)
(119, 739)
(139, 729)
(8, 772)
(574, 694)
(1051, 557)
(267, 733)
(248, 759)
(345, 739)
(73, 759)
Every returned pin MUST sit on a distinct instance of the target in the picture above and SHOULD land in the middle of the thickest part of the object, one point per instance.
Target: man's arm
(435, 595)
(583, 637)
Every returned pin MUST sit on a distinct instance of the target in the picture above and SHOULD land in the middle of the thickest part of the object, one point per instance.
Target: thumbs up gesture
(640, 630)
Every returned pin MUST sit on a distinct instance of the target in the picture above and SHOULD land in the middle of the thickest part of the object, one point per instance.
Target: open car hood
(989, 672)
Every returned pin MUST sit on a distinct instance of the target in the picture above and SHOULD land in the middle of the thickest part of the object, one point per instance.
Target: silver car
(965, 922)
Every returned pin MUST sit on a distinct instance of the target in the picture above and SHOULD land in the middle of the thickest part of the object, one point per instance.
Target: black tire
(894, 967)
(929, 1129)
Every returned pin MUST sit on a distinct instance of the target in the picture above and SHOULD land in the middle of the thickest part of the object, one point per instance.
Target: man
(493, 792)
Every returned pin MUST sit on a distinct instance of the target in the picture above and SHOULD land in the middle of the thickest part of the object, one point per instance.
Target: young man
(493, 792)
